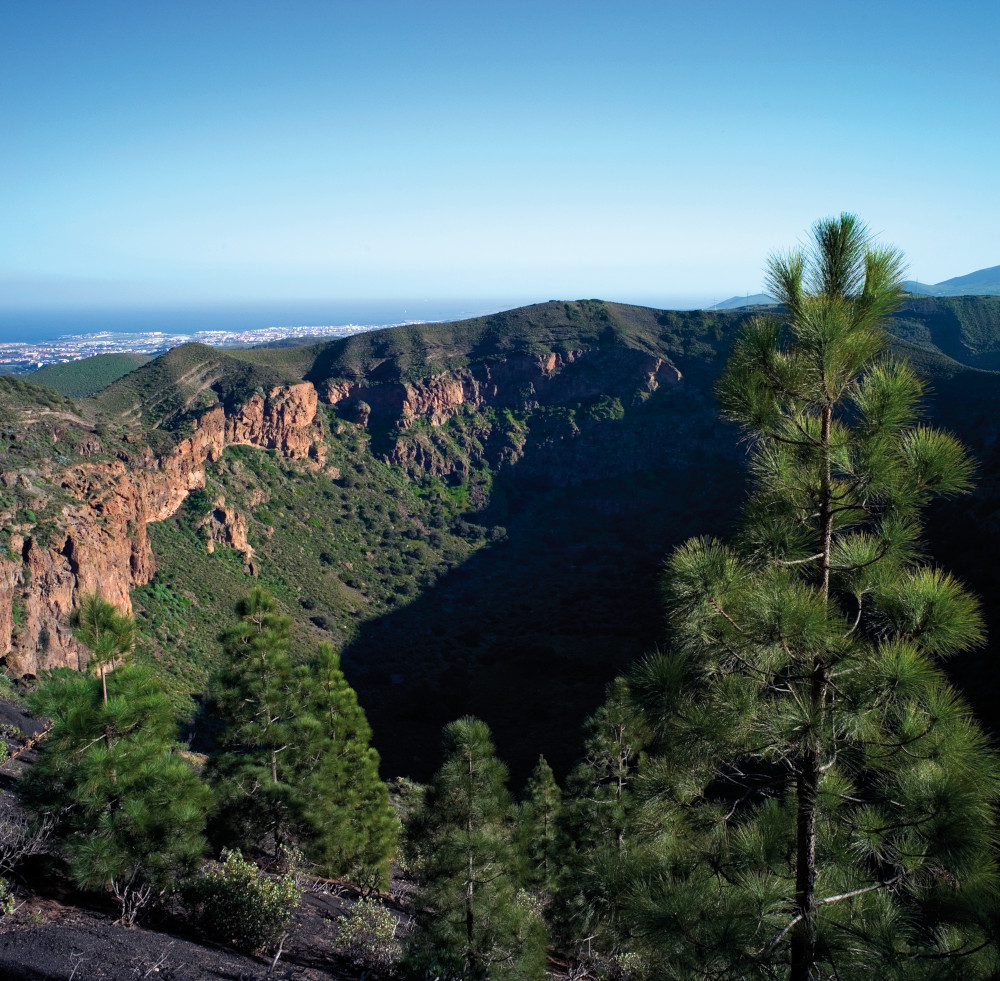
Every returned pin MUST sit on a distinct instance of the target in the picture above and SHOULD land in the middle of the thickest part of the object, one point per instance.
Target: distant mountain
(982, 282)
(736, 302)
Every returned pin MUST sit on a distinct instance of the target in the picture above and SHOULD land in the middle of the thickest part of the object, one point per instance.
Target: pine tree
(129, 811)
(345, 822)
(597, 817)
(109, 634)
(820, 802)
(471, 920)
(600, 785)
(538, 838)
(252, 692)
(295, 766)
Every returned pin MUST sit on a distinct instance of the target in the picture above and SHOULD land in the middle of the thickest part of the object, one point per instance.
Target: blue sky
(218, 151)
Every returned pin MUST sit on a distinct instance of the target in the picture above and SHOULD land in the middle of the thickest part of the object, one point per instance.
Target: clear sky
(236, 150)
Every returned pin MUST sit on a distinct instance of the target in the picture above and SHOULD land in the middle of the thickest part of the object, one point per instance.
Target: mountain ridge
(981, 282)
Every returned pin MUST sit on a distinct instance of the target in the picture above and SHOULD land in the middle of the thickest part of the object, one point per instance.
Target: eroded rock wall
(103, 546)
(517, 380)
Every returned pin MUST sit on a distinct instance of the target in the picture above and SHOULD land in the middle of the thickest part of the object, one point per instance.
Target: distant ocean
(28, 326)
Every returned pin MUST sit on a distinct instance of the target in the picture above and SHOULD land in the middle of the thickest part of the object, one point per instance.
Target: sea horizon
(34, 325)
(29, 325)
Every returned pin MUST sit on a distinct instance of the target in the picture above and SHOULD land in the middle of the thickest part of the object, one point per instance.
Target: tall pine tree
(253, 695)
(295, 765)
(597, 817)
(821, 803)
(538, 838)
(342, 806)
(471, 920)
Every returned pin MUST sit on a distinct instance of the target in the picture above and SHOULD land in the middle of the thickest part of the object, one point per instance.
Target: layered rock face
(518, 380)
(103, 546)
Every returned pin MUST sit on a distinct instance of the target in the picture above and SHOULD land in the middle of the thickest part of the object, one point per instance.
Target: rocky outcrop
(283, 422)
(102, 544)
(226, 526)
(519, 380)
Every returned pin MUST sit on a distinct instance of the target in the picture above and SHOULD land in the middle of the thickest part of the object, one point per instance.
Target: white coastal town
(20, 357)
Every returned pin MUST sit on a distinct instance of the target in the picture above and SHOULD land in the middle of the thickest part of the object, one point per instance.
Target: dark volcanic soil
(44, 940)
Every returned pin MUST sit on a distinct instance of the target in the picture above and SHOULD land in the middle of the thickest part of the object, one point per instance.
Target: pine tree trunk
(803, 945)
(470, 921)
(804, 934)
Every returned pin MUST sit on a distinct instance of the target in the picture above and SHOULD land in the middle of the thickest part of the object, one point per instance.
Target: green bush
(238, 903)
(6, 898)
(366, 936)
(199, 503)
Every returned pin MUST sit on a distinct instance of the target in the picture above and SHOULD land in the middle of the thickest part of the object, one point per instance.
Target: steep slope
(95, 507)
(962, 328)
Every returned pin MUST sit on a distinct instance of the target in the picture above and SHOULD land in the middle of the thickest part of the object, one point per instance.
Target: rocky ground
(46, 940)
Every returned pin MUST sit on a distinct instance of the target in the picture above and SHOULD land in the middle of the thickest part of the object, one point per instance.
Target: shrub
(6, 898)
(239, 904)
(199, 503)
(366, 936)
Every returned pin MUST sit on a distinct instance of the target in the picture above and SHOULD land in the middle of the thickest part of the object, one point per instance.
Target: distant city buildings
(21, 357)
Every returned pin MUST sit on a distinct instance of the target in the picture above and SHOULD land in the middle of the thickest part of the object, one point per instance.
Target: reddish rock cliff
(511, 381)
(102, 546)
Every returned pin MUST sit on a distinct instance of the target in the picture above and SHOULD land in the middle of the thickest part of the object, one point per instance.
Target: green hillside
(23, 394)
(88, 376)
(191, 378)
(962, 328)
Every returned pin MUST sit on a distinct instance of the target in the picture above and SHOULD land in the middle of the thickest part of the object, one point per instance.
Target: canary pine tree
(294, 764)
(471, 919)
(596, 821)
(252, 694)
(345, 823)
(128, 810)
(108, 634)
(820, 804)
(538, 838)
